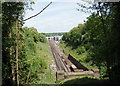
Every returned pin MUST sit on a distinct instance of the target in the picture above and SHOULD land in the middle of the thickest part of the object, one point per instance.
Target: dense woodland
(24, 49)
(97, 40)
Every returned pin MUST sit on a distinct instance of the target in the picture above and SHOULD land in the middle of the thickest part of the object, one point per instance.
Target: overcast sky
(60, 16)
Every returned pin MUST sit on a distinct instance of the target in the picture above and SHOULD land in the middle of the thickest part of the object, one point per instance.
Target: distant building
(56, 38)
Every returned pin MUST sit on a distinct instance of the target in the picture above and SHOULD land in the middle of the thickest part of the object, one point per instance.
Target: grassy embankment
(48, 76)
(80, 57)
(40, 61)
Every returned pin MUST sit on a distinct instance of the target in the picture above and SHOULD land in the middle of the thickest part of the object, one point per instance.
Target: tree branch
(37, 13)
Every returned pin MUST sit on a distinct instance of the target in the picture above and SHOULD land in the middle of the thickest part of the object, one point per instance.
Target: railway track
(67, 66)
(58, 57)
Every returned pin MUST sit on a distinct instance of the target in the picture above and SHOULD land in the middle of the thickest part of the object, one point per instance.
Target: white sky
(60, 16)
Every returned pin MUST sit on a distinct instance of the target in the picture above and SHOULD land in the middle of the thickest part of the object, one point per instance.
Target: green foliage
(42, 38)
(74, 36)
(53, 34)
(33, 52)
(82, 58)
(11, 12)
(36, 59)
(99, 39)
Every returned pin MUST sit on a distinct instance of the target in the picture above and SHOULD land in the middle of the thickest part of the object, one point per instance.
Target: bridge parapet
(96, 72)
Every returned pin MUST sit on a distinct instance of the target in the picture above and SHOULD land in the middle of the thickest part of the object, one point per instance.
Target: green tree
(11, 12)
(99, 37)
(108, 50)
(42, 38)
(12, 16)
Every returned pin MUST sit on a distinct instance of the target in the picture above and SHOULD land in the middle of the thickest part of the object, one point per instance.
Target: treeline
(53, 34)
(99, 38)
(21, 59)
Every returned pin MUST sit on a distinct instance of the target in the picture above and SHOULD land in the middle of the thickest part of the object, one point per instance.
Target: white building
(56, 38)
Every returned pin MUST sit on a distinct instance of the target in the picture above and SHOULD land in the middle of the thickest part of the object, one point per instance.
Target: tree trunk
(17, 40)
(10, 52)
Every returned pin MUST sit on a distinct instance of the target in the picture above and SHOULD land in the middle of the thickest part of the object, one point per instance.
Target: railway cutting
(67, 65)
